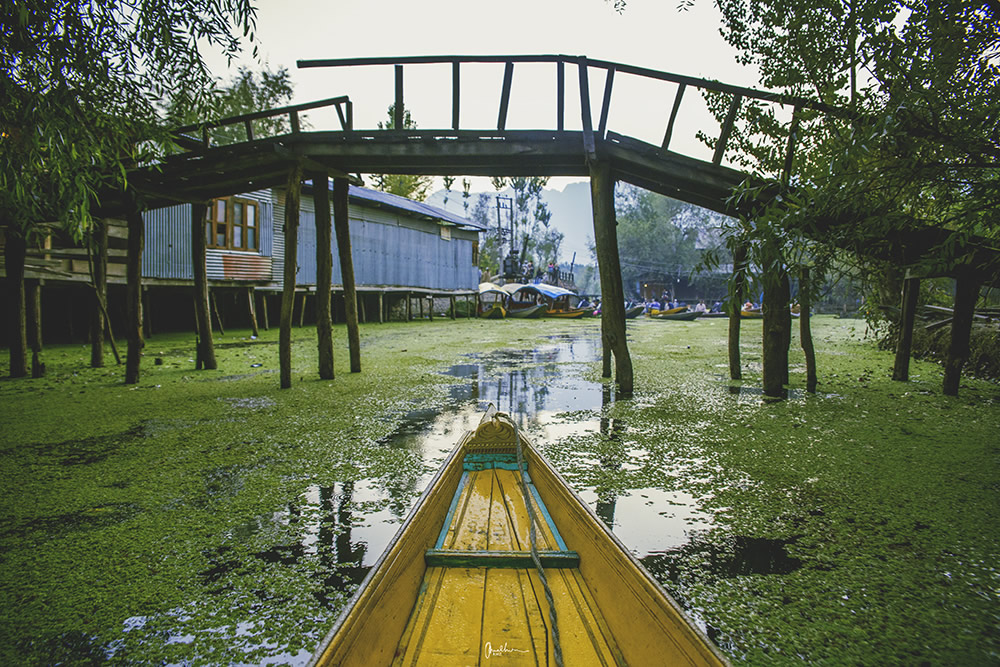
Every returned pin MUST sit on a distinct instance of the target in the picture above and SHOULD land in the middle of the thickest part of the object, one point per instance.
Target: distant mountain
(571, 214)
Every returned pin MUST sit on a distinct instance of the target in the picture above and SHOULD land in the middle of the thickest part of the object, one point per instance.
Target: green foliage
(917, 147)
(659, 238)
(80, 82)
(246, 92)
(411, 186)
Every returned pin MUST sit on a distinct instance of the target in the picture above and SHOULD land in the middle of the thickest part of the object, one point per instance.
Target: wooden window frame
(221, 222)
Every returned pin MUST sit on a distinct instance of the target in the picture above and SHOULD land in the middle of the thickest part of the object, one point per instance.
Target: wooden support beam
(34, 301)
(606, 103)
(397, 110)
(215, 309)
(451, 299)
(133, 272)
(302, 309)
(508, 76)
(455, 94)
(966, 295)
(602, 189)
(99, 281)
(588, 121)
(205, 348)
(263, 308)
(147, 315)
(735, 308)
(342, 227)
(907, 315)
(673, 115)
(381, 308)
(292, 198)
(793, 134)
(324, 272)
(560, 96)
(248, 128)
(252, 308)
(727, 129)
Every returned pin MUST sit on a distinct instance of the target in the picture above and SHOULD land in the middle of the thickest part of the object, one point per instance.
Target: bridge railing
(592, 132)
(183, 137)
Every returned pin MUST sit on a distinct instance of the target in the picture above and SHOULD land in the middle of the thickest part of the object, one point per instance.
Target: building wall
(389, 249)
(167, 253)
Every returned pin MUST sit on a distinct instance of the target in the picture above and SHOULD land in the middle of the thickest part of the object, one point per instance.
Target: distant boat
(557, 300)
(633, 312)
(683, 315)
(459, 584)
(523, 303)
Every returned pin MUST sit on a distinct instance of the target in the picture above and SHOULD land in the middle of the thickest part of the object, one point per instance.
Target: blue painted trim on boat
(548, 518)
(489, 461)
(451, 510)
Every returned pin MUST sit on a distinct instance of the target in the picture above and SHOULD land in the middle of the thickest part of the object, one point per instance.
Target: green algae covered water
(207, 517)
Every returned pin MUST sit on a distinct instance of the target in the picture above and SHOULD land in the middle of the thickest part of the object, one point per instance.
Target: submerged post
(602, 190)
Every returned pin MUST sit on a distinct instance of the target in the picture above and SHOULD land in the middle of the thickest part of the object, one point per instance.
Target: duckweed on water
(209, 518)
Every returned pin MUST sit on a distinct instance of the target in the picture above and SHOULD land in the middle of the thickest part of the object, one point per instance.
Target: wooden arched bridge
(204, 170)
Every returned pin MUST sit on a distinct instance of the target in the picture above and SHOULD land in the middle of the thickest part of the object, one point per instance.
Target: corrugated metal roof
(384, 199)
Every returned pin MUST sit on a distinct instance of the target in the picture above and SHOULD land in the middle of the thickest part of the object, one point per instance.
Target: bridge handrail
(590, 135)
(342, 103)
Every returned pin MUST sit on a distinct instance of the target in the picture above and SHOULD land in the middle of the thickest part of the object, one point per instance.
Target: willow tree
(908, 172)
(80, 82)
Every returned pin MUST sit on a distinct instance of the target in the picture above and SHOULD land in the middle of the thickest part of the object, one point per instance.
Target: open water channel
(343, 529)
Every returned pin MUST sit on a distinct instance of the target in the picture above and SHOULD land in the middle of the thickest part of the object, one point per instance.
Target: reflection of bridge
(205, 170)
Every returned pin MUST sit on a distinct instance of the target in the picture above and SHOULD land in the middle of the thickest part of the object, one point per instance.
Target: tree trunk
(805, 329)
(324, 273)
(340, 222)
(205, 354)
(904, 345)
(133, 273)
(966, 295)
(602, 192)
(34, 301)
(735, 308)
(14, 256)
(288, 288)
(99, 276)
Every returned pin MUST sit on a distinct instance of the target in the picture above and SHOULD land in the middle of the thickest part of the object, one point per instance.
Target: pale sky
(650, 33)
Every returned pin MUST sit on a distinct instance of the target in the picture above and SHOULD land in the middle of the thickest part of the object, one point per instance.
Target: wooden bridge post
(205, 352)
(342, 226)
(324, 272)
(966, 295)
(133, 273)
(602, 190)
(904, 345)
(292, 195)
(735, 308)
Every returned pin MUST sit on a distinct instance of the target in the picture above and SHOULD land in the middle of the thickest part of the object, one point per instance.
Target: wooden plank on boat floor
(472, 520)
(513, 629)
(584, 636)
(446, 625)
(510, 485)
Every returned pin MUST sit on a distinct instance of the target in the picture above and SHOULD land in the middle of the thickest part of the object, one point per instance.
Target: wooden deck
(497, 608)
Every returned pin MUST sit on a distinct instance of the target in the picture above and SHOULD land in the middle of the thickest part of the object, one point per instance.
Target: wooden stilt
(302, 309)
(133, 272)
(409, 308)
(602, 189)
(362, 316)
(147, 314)
(251, 305)
(99, 281)
(381, 308)
(205, 354)
(342, 227)
(966, 295)
(324, 272)
(34, 300)
(215, 309)
(292, 195)
(735, 308)
(263, 310)
(451, 299)
(904, 344)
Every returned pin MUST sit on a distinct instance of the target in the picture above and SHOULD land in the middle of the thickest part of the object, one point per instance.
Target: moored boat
(458, 583)
(633, 312)
(492, 302)
(680, 314)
